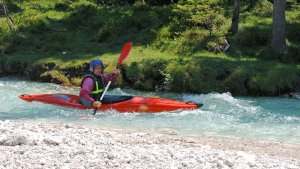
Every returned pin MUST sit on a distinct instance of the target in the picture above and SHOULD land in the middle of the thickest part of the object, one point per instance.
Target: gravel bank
(57, 145)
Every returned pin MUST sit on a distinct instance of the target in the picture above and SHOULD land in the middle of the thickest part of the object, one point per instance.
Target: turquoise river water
(222, 114)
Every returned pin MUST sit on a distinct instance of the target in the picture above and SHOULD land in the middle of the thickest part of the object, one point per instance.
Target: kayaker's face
(98, 70)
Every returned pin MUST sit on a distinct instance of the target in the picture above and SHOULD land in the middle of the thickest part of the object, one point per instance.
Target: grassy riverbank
(178, 47)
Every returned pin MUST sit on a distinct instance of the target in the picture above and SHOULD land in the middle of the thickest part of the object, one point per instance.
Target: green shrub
(263, 8)
(290, 4)
(34, 22)
(175, 77)
(280, 79)
(152, 69)
(146, 74)
(252, 37)
(62, 6)
(133, 72)
(5, 33)
(193, 40)
(83, 16)
(15, 42)
(238, 80)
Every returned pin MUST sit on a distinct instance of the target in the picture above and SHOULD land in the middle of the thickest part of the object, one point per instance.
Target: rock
(67, 161)
(15, 140)
(110, 155)
(19, 152)
(34, 142)
(290, 166)
(114, 163)
(220, 165)
(42, 161)
(52, 141)
(21, 140)
(251, 164)
(5, 164)
(67, 126)
(92, 164)
(128, 161)
(184, 164)
(3, 138)
(228, 163)
(199, 160)
(171, 153)
(3, 129)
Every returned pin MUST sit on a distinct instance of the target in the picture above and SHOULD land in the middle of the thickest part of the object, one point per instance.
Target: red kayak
(118, 103)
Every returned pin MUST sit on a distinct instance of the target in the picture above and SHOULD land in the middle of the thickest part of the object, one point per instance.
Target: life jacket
(97, 92)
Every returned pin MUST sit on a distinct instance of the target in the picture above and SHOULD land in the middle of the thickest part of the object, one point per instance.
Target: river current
(266, 118)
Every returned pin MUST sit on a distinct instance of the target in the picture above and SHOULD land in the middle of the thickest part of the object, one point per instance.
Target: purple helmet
(95, 63)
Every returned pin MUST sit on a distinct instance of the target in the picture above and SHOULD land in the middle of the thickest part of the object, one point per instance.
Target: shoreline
(286, 149)
(65, 144)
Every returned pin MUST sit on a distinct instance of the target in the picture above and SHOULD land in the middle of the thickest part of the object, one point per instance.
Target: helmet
(95, 63)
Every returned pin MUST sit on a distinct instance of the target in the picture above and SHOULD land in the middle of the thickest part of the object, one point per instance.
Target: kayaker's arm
(87, 87)
(108, 77)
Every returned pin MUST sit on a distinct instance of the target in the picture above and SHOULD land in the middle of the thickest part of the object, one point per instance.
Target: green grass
(177, 47)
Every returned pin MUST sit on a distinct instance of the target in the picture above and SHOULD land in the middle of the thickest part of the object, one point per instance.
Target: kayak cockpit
(109, 99)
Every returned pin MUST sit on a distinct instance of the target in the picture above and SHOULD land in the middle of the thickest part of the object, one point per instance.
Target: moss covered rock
(55, 76)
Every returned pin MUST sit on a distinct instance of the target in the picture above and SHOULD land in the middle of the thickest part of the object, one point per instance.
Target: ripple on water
(222, 114)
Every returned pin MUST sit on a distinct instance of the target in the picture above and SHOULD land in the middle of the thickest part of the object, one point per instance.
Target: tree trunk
(278, 42)
(235, 17)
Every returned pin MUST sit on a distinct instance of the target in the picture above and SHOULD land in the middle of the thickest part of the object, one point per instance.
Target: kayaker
(94, 82)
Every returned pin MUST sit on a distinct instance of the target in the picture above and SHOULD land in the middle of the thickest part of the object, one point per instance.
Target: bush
(62, 6)
(252, 37)
(16, 42)
(33, 22)
(133, 72)
(195, 40)
(263, 8)
(5, 32)
(290, 4)
(271, 82)
(147, 74)
(83, 16)
(175, 77)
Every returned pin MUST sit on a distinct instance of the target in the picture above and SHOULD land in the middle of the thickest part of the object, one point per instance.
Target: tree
(235, 17)
(5, 10)
(278, 42)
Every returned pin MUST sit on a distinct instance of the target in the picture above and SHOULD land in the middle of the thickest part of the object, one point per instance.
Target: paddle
(125, 51)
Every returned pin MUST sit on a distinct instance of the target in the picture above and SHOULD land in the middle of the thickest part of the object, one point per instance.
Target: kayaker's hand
(97, 104)
(115, 71)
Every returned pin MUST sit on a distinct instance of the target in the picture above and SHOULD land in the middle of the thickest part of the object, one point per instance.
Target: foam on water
(222, 114)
